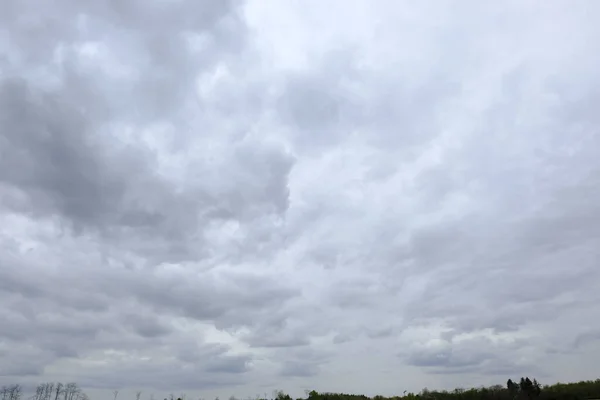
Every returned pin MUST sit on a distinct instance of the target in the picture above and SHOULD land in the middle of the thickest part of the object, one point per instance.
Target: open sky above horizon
(230, 197)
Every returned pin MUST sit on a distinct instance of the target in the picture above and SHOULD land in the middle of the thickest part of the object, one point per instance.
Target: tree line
(522, 389)
(45, 391)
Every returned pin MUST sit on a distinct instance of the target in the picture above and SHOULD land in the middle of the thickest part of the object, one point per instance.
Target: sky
(225, 198)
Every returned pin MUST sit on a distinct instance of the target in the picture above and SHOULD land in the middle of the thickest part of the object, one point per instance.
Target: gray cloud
(303, 363)
(230, 197)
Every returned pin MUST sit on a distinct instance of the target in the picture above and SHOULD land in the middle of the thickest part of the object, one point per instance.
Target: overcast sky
(225, 198)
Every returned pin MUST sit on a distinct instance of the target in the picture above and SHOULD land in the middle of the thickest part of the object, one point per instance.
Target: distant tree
(8, 392)
(313, 394)
(58, 390)
(280, 395)
(39, 392)
(71, 391)
(513, 388)
(533, 389)
(48, 391)
(17, 392)
(525, 386)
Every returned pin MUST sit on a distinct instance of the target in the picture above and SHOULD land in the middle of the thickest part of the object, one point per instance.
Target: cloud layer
(224, 198)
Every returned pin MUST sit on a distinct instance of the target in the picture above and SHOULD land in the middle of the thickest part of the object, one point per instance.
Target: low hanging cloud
(234, 197)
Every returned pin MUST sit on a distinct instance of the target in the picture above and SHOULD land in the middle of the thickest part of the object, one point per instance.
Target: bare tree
(39, 392)
(58, 390)
(43, 391)
(48, 390)
(12, 392)
(138, 395)
(3, 392)
(115, 394)
(71, 391)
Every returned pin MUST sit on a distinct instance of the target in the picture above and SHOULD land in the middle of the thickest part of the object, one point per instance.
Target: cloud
(232, 197)
(303, 363)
